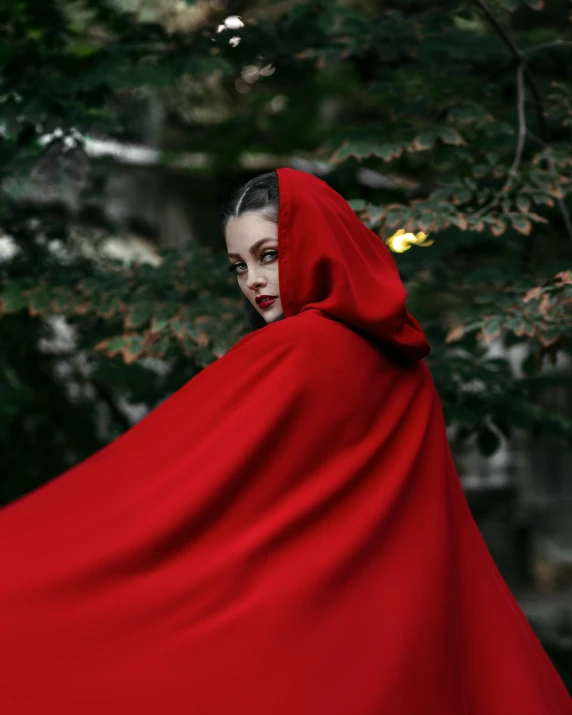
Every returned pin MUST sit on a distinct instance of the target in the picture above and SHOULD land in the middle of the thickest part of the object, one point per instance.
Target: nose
(254, 280)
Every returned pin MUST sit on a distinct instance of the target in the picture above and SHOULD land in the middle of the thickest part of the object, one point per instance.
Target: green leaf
(133, 348)
(159, 348)
(357, 204)
(423, 141)
(178, 326)
(521, 223)
(114, 345)
(106, 306)
(204, 357)
(81, 48)
(394, 217)
(463, 196)
(389, 151)
(139, 315)
(40, 301)
(12, 299)
(451, 136)
(375, 214)
(64, 300)
(492, 327)
(162, 314)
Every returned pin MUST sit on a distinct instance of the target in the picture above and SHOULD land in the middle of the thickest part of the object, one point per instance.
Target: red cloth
(286, 535)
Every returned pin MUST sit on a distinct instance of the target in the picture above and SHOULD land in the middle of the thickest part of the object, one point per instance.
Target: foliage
(448, 119)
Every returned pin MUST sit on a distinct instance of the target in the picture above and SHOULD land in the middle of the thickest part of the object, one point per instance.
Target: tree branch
(565, 216)
(513, 171)
(520, 60)
(560, 202)
(546, 45)
(520, 70)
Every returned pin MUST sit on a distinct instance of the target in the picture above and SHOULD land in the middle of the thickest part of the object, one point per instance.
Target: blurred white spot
(267, 70)
(8, 248)
(373, 179)
(129, 153)
(129, 250)
(319, 168)
(58, 249)
(234, 41)
(242, 87)
(278, 104)
(62, 338)
(250, 74)
(233, 22)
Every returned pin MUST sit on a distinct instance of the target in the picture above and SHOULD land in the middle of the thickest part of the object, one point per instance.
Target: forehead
(242, 232)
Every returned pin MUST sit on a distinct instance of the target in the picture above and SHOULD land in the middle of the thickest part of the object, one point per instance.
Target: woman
(286, 534)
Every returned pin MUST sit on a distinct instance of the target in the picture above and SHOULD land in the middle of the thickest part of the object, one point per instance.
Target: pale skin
(252, 246)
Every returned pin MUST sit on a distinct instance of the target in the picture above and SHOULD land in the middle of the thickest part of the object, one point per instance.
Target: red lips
(265, 301)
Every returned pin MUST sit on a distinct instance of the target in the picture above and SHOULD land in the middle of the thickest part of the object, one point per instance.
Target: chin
(272, 314)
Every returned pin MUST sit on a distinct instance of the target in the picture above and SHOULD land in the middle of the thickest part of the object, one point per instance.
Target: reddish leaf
(532, 294)
(12, 300)
(535, 4)
(132, 348)
(219, 349)
(544, 306)
(198, 336)
(161, 316)
(158, 348)
(491, 329)
(178, 326)
(556, 191)
(111, 346)
(476, 223)
(565, 277)
(39, 301)
(451, 136)
(138, 315)
(536, 217)
(394, 216)
(455, 334)
(460, 220)
(498, 228)
(521, 224)
(423, 141)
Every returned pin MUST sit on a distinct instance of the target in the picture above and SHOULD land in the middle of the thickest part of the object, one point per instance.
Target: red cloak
(286, 535)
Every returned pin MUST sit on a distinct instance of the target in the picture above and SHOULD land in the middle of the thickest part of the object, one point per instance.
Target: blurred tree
(447, 126)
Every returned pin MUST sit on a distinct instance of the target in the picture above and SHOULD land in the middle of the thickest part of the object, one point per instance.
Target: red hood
(330, 261)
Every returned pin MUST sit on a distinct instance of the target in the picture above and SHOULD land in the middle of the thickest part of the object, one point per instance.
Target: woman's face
(252, 245)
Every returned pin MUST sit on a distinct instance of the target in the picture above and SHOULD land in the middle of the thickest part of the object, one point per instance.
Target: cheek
(244, 289)
(274, 278)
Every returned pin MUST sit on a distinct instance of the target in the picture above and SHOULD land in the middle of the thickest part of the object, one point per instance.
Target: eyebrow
(253, 247)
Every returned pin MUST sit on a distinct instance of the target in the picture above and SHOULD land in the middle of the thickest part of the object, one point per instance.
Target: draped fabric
(285, 535)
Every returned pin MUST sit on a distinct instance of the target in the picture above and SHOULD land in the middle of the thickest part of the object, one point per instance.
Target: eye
(272, 253)
(234, 267)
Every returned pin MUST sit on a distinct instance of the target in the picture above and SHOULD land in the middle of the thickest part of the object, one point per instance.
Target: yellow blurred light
(402, 241)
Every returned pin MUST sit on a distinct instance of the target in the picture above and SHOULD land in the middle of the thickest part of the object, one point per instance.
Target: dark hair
(260, 195)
